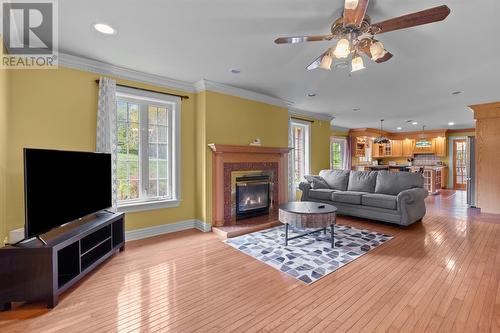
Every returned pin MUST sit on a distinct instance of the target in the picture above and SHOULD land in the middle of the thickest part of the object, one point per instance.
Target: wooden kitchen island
(434, 177)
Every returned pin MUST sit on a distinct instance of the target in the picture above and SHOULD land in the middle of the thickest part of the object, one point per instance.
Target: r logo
(28, 27)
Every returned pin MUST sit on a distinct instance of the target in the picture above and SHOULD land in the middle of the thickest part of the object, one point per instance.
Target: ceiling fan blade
(387, 56)
(364, 46)
(411, 20)
(354, 12)
(300, 39)
(315, 64)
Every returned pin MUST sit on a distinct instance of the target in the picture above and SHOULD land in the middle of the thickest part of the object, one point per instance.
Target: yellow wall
(201, 161)
(4, 107)
(238, 121)
(339, 133)
(57, 109)
(320, 146)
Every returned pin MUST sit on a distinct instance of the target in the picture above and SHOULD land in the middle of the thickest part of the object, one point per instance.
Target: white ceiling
(190, 40)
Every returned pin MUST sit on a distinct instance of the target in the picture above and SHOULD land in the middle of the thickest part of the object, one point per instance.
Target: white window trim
(174, 149)
(343, 142)
(307, 144)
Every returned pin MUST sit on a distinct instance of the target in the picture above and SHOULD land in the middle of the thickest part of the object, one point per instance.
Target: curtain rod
(308, 120)
(149, 90)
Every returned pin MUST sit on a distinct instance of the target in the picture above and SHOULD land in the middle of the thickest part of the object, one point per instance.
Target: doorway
(459, 164)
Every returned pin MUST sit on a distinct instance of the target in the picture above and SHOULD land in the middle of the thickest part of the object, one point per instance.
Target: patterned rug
(311, 257)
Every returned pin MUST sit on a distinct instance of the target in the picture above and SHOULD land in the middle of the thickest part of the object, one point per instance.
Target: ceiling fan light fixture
(351, 4)
(357, 63)
(343, 49)
(377, 50)
(326, 62)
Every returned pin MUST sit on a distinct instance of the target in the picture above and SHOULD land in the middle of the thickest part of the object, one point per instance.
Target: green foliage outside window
(336, 155)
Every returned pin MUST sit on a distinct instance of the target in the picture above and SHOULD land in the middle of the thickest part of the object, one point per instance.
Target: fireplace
(253, 195)
(230, 163)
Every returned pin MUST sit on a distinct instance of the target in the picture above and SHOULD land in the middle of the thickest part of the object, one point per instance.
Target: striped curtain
(106, 136)
(291, 165)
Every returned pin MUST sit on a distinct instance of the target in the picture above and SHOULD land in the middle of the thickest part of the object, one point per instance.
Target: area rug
(311, 257)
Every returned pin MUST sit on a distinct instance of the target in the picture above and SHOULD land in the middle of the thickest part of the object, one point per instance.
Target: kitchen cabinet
(432, 180)
(387, 149)
(377, 150)
(397, 148)
(360, 147)
(408, 145)
(440, 146)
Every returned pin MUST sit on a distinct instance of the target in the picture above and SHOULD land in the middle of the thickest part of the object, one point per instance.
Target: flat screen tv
(63, 186)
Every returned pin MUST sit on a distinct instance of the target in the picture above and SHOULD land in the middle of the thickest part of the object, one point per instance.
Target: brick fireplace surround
(227, 159)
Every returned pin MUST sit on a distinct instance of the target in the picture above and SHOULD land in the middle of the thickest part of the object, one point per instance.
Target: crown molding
(204, 85)
(103, 68)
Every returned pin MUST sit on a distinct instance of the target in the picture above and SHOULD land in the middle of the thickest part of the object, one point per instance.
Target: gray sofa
(395, 197)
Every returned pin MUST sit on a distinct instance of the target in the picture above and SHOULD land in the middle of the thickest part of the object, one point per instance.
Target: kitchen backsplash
(426, 159)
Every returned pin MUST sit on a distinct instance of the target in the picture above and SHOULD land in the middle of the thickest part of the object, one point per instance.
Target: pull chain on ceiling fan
(356, 34)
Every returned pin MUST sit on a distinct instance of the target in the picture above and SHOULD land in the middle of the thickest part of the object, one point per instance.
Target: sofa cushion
(362, 181)
(317, 182)
(379, 200)
(321, 194)
(336, 179)
(350, 197)
(395, 182)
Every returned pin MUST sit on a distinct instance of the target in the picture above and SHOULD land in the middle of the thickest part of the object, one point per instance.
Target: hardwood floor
(437, 276)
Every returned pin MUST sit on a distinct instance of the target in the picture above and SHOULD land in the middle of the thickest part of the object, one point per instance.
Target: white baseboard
(202, 226)
(166, 228)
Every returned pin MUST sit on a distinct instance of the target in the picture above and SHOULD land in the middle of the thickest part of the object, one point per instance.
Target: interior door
(459, 164)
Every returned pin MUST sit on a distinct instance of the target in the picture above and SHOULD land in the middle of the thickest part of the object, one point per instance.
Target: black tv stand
(44, 268)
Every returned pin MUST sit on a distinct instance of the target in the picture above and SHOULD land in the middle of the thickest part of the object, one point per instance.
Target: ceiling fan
(356, 34)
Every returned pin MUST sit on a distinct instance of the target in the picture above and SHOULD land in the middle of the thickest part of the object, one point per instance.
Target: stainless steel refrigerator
(471, 171)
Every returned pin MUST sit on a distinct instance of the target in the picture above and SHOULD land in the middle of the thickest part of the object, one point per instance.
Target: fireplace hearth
(252, 196)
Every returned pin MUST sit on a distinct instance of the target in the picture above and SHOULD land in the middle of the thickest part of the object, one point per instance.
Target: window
(301, 142)
(338, 153)
(148, 150)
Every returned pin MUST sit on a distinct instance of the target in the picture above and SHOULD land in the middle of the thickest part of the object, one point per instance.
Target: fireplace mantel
(231, 158)
(216, 148)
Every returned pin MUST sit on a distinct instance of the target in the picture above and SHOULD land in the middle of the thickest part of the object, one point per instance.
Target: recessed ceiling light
(356, 109)
(456, 92)
(311, 94)
(104, 29)
(235, 71)
(414, 123)
(451, 123)
(399, 128)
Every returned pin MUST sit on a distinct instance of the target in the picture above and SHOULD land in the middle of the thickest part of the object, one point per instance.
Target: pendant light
(357, 63)
(381, 139)
(377, 50)
(326, 61)
(342, 49)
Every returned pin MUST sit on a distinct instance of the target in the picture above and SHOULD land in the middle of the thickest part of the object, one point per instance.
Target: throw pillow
(317, 182)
